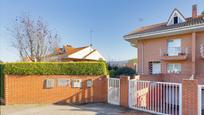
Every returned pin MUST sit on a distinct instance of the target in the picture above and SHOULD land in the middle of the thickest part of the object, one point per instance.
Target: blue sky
(73, 19)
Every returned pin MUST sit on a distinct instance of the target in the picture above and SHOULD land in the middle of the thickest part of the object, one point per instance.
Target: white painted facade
(95, 55)
(87, 53)
(176, 13)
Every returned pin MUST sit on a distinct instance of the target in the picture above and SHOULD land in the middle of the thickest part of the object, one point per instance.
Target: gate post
(124, 88)
(190, 97)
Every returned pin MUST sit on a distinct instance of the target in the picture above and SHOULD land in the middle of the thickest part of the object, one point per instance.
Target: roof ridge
(162, 26)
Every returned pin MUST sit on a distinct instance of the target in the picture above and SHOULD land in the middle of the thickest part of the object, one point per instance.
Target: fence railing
(155, 97)
(200, 99)
(114, 91)
(174, 51)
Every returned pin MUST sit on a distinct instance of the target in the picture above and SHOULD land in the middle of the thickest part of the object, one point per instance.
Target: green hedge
(56, 68)
(2, 80)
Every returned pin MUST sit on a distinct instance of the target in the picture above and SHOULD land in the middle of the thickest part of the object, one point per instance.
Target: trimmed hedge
(1, 80)
(56, 68)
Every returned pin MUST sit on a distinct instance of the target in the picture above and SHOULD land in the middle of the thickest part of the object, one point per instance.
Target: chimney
(194, 11)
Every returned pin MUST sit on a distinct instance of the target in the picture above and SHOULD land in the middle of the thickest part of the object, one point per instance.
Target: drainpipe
(142, 57)
(193, 52)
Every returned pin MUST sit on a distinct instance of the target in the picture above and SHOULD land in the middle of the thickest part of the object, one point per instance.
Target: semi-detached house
(172, 50)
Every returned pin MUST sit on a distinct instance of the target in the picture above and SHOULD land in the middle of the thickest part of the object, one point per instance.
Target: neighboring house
(173, 50)
(69, 53)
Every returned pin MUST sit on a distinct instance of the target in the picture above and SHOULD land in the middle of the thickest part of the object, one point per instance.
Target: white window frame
(174, 69)
(173, 49)
(175, 13)
(156, 68)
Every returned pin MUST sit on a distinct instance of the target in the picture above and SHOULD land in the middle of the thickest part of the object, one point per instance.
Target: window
(174, 68)
(175, 20)
(174, 47)
(63, 82)
(49, 83)
(155, 67)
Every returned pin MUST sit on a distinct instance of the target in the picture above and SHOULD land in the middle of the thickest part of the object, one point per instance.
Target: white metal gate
(200, 99)
(114, 91)
(155, 97)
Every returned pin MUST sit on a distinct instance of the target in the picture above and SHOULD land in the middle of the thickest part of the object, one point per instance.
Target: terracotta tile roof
(163, 26)
(67, 49)
(71, 50)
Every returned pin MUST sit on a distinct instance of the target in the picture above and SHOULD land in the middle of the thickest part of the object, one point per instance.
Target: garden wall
(31, 89)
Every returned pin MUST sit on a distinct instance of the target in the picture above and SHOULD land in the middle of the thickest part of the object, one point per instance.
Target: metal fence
(155, 97)
(114, 91)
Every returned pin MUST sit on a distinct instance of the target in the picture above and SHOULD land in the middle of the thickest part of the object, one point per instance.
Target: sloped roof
(69, 52)
(163, 26)
(67, 49)
(72, 50)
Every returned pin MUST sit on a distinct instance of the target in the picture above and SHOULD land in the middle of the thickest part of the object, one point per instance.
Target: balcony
(202, 51)
(174, 54)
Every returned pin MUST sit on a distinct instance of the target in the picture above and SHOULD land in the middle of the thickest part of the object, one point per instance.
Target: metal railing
(200, 99)
(174, 51)
(114, 91)
(155, 97)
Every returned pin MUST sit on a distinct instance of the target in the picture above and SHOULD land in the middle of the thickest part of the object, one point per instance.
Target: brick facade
(124, 88)
(190, 97)
(30, 90)
(149, 51)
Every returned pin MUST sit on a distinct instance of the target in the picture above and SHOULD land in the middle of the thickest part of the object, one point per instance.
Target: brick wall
(175, 78)
(149, 77)
(124, 94)
(190, 97)
(30, 90)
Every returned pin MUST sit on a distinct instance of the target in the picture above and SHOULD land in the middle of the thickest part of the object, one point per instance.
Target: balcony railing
(174, 53)
(202, 51)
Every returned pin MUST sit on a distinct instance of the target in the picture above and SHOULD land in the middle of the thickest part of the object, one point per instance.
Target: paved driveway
(87, 109)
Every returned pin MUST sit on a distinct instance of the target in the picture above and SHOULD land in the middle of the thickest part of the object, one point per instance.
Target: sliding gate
(114, 91)
(155, 97)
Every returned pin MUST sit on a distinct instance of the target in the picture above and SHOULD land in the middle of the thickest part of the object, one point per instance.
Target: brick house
(172, 50)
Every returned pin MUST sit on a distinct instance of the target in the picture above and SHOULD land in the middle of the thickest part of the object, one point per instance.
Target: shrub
(56, 68)
(1, 80)
(112, 73)
(125, 71)
(116, 71)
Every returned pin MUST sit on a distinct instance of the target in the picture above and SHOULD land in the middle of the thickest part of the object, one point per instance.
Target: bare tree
(33, 39)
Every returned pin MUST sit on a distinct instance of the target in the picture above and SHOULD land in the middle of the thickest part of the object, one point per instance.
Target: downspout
(142, 57)
(193, 55)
